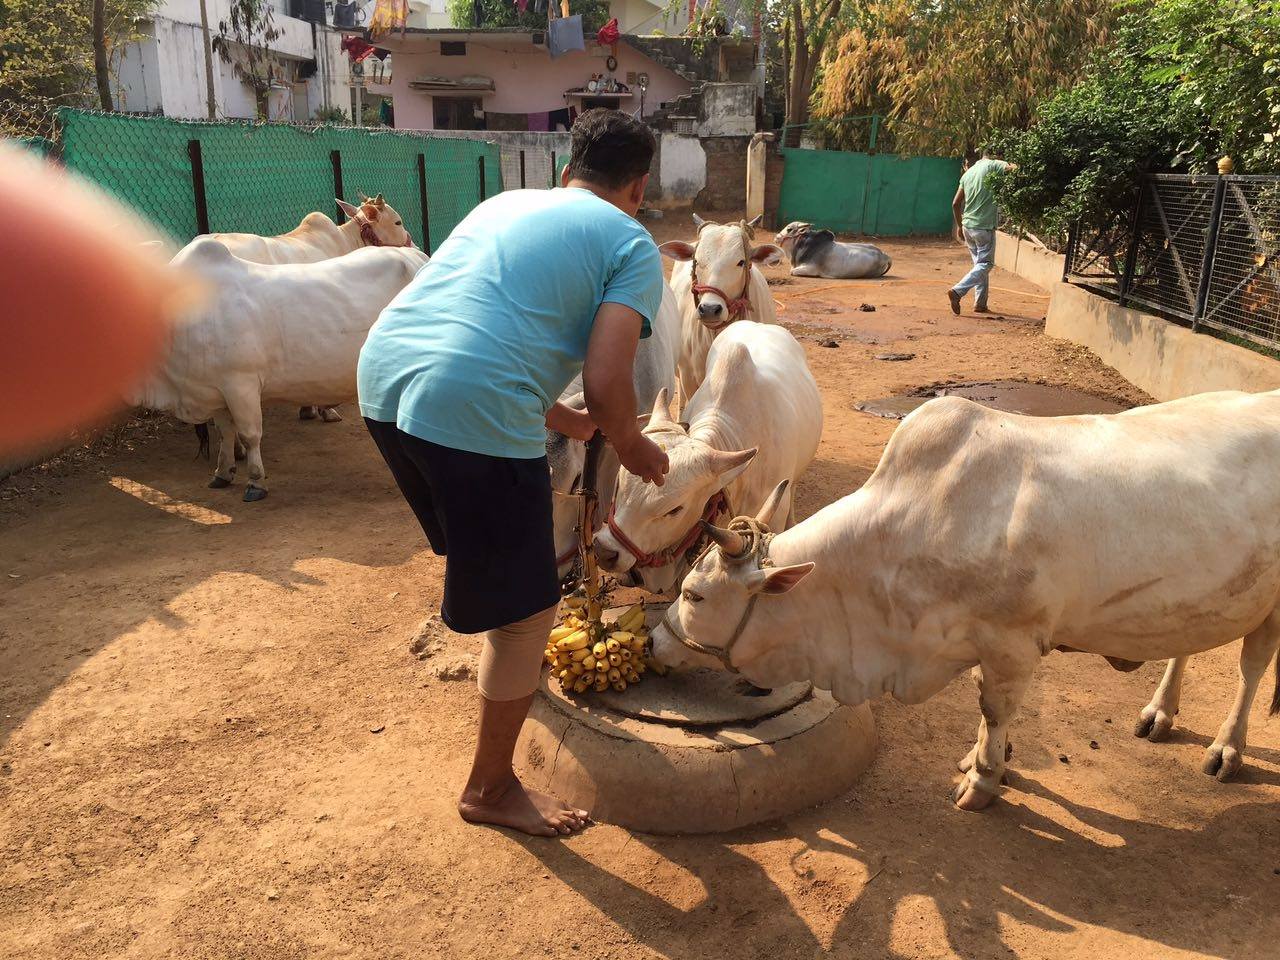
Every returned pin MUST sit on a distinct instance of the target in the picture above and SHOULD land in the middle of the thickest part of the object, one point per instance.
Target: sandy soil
(214, 741)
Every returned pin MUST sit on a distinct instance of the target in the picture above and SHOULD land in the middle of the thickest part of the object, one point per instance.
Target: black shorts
(490, 516)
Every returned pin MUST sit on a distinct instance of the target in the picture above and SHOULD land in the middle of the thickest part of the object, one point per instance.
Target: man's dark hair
(610, 149)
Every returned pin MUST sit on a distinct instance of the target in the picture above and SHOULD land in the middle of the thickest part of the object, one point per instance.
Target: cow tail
(1275, 697)
(202, 434)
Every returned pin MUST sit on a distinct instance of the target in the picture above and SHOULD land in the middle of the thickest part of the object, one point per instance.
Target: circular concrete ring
(657, 775)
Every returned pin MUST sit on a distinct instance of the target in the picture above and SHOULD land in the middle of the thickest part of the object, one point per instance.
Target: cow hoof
(1153, 724)
(330, 415)
(308, 413)
(1222, 761)
(970, 796)
(217, 483)
(253, 494)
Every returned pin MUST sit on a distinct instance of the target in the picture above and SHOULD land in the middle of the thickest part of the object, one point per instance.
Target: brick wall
(772, 185)
(726, 188)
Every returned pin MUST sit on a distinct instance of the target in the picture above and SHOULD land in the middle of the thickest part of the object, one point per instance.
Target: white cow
(283, 333)
(374, 223)
(755, 420)
(717, 280)
(987, 539)
(817, 253)
(655, 371)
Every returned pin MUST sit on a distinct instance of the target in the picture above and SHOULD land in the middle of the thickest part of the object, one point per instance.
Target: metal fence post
(1073, 237)
(1135, 231)
(521, 169)
(1210, 251)
(554, 179)
(480, 161)
(422, 198)
(335, 157)
(197, 186)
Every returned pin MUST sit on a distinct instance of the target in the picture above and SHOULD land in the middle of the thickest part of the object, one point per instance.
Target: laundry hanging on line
(565, 35)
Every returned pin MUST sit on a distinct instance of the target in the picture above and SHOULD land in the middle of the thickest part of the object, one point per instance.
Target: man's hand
(644, 458)
(958, 233)
(574, 424)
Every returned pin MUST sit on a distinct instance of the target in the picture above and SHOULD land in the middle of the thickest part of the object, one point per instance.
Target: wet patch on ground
(1011, 396)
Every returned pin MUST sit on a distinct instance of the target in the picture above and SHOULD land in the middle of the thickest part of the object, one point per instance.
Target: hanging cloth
(522, 5)
(608, 34)
(357, 49)
(564, 35)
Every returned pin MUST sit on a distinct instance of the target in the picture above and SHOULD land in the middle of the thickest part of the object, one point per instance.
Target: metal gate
(877, 193)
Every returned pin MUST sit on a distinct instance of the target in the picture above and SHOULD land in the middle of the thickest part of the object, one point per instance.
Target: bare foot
(520, 808)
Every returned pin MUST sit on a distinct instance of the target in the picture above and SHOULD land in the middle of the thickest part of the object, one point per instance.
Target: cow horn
(378, 201)
(730, 542)
(771, 503)
(661, 414)
(699, 222)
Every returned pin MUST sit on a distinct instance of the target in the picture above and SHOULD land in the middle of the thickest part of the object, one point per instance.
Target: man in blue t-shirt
(459, 381)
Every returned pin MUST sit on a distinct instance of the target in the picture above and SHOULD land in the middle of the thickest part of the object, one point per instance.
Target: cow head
(722, 260)
(649, 520)
(789, 234)
(381, 224)
(713, 608)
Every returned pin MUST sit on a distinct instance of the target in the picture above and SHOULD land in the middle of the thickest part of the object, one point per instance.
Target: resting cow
(271, 333)
(756, 420)
(817, 253)
(374, 223)
(717, 280)
(654, 372)
(987, 539)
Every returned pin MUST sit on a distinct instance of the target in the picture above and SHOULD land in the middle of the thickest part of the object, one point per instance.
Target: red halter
(737, 308)
(718, 503)
(371, 239)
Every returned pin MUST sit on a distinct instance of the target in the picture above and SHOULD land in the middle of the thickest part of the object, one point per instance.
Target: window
(453, 48)
(457, 113)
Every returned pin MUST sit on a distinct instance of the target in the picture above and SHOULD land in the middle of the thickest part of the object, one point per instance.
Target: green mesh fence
(42, 146)
(264, 178)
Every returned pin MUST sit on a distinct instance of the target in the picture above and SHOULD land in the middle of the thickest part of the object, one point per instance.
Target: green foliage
(330, 115)
(504, 13)
(244, 40)
(1184, 82)
(46, 57)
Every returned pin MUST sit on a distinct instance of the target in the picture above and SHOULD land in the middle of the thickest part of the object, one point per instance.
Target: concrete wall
(526, 79)
(727, 110)
(1164, 359)
(726, 188)
(1029, 260)
(681, 171)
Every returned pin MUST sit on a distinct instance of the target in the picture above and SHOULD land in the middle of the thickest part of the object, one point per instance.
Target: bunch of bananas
(586, 654)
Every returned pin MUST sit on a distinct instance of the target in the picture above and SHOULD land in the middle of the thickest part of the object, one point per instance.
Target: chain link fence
(1200, 249)
(192, 177)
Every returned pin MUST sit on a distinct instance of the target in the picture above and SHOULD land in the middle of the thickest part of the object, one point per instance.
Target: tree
(47, 57)
(805, 32)
(101, 72)
(956, 70)
(244, 41)
(503, 13)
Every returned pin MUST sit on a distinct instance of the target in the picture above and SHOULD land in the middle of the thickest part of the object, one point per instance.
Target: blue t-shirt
(475, 350)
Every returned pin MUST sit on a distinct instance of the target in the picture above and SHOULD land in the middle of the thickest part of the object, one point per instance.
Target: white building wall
(164, 72)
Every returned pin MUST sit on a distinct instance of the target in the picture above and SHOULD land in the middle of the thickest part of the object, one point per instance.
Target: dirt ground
(214, 741)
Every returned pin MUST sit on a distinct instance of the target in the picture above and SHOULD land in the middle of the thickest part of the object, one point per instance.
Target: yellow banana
(576, 669)
(581, 685)
(632, 676)
(612, 645)
(621, 636)
(615, 660)
(625, 653)
(620, 685)
(614, 674)
(575, 641)
(589, 661)
(559, 633)
(575, 603)
(599, 650)
(579, 655)
(602, 683)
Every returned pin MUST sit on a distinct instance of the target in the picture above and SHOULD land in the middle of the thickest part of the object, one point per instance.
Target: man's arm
(607, 383)
(575, 424)
(957, 213)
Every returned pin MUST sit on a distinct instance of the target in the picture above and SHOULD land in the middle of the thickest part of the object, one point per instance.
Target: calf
(985, 540)
(271, 333)
(756, 420)
(717, 280)
(817, 253)
(654, 372)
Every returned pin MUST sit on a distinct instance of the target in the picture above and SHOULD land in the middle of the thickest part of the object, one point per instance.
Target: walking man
(458, 382)
(974, 212)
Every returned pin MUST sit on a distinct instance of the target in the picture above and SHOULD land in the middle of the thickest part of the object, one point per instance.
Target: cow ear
(727, 466)
(766, 253)
(369, 209)
(349, 209)
(677, 250)
(775, 580)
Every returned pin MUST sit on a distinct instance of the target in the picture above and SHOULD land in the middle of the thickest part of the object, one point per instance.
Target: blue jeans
(982, 246)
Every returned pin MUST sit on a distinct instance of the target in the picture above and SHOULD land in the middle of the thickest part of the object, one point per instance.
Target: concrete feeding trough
(696, 752)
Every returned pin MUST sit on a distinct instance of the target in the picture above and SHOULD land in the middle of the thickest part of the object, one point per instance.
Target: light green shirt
(979, 201)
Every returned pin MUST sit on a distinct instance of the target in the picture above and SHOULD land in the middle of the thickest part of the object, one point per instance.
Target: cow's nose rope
(756, 537)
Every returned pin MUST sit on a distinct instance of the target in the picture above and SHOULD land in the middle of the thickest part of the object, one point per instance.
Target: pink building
(506, 80)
